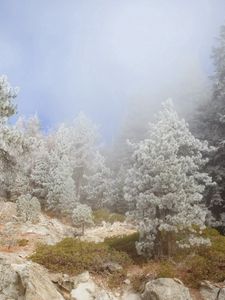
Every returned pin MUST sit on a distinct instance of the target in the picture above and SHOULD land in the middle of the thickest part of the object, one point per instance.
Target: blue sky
(95, 55)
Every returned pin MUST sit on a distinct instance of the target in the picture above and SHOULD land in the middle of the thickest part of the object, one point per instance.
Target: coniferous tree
(164, 186)
(209, 124)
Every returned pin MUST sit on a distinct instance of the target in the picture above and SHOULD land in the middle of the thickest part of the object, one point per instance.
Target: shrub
(116, 279)
(125, 243)
(73, 256)
(22, 242)
(166, 270)
(101, 215)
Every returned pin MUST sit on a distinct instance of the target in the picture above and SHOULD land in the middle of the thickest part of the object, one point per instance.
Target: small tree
(82, 216)
(164, 186)
(28, 208)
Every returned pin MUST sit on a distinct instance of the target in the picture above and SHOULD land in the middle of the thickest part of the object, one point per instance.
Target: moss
(101, 215)
(73, 256)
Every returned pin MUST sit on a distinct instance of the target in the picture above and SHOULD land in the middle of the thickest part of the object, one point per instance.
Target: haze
(100, 56)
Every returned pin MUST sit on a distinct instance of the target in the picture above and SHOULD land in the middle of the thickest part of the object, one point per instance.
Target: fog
(110, 59)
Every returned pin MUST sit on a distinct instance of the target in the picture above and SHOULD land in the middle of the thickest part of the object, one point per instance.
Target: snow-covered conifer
(11, 140)
(82, 216)
(96, 191)
(164, 186)
(84, 138)
(28, 208)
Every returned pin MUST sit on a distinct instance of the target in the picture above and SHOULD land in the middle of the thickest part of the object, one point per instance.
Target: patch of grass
(116, 279)
(72, 256)
(22, 242)
(138, 282)
(166, 270)
(101, 215)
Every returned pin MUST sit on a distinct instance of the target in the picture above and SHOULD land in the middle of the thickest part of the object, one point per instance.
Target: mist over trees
(208, 124)
(168, 178)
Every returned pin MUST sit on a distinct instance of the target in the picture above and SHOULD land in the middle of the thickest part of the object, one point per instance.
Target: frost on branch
(164, 186)
(28, 208)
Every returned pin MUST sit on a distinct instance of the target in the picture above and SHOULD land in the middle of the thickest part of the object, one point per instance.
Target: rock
(112, 267)
(104, 295)
(211, 291)
(166, 289)
(127, 281)
(221, 295)
(208, 291)
(83, 277)
(130, 296)
(36, 282)
(9, 283)
(25, 281)
(66, 283)
(86, 289)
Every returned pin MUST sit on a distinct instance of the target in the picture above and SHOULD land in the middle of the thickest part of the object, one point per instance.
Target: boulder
(112, 267)
(130, 296)
(221, 295)
(10, 287)
(26, 281)
(86, 289)
(166, 289)
(36, 282)
(210, 291)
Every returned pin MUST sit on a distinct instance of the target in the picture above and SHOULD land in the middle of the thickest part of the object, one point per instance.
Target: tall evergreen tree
(164, 186)
(209, 124)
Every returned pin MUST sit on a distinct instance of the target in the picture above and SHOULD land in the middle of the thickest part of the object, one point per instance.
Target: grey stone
(166, 289)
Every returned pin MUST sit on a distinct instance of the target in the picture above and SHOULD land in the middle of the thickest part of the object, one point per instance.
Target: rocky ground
(21, 279)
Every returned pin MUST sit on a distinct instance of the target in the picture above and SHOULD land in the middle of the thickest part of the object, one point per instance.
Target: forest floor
(22, 238)
(19, 240)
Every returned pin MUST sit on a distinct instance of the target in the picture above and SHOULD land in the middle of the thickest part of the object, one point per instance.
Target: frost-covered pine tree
(34, 142)
(7, 96)
(39, 174)
(28, 208)
(96, 190)
(117, 202)
(11, 140)
(59, 183)
(82, 216)
(164, 186)
(84, 137)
